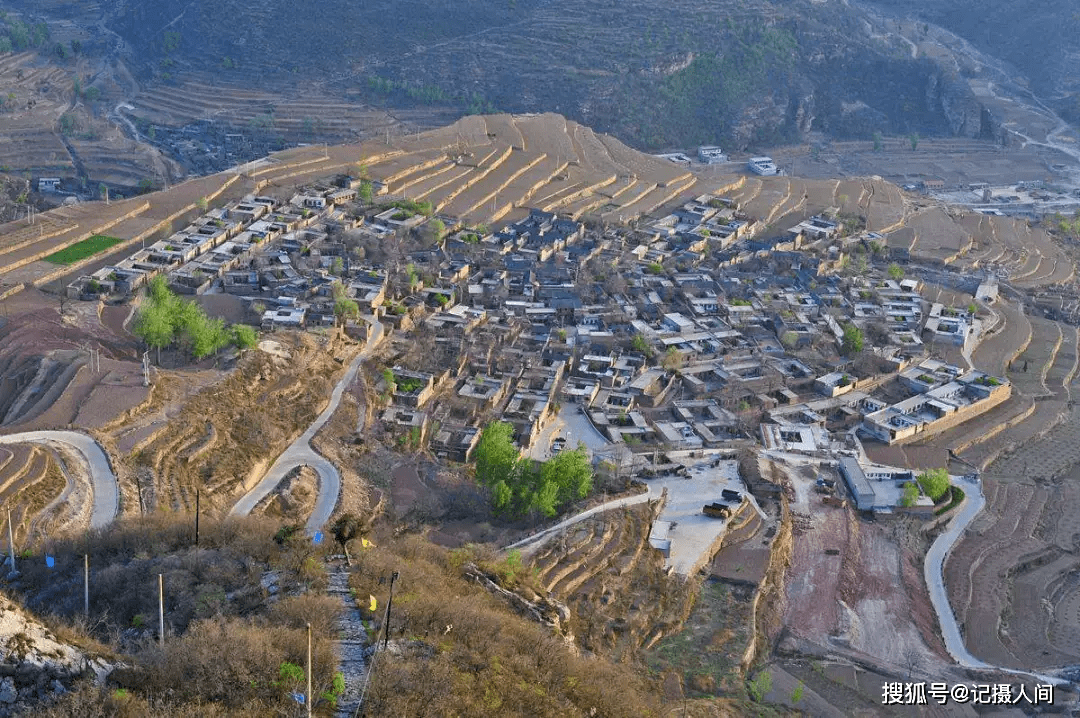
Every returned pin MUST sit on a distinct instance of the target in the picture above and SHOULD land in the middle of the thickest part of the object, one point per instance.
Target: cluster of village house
(682, 333)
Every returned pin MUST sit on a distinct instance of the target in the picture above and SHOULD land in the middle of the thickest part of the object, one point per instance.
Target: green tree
(437, 230)
(896, 272)
(244, 336)
(337, 266)
(204, 334)
(346, 309)
(639, 344)
(760, 686)
(934, 483)
(914, 138)
(159, 292)
(877, 142)
(852, 342)
(789, 339)
(501, 497)
(910, 495)
(546, 499)
(366, 192)
(569, 471)
(154, 326)
(797, 692)
(673, 359)
(496, 454)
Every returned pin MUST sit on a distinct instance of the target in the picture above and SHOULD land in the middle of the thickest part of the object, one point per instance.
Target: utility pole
(308, 701)
(86, 585)
(11, 549)
(197, 518)
(146, 367)
(389, 603)
(161, 610)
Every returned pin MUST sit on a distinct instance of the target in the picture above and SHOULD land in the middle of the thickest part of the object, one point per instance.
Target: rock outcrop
(35, 664)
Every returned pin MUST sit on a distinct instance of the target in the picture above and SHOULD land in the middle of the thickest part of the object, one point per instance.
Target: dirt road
(103, 481)
(301, 453)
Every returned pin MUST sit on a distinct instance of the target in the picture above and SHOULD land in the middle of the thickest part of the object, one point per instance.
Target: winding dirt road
(301, 453)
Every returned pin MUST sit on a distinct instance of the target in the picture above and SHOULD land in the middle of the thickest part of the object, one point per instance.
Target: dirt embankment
(294, 498)
(767, 614)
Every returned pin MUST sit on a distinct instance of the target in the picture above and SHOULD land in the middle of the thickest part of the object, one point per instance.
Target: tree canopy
(165, 319)
(853, 340)
(521, 486)
(934, 483)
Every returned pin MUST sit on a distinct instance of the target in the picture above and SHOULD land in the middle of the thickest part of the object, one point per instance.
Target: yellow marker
(366, 544)
(373, 605)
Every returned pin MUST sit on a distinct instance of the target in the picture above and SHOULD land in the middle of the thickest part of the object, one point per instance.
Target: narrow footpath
(351, 642)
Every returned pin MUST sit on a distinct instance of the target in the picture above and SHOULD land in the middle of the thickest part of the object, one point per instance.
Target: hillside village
(693, 331)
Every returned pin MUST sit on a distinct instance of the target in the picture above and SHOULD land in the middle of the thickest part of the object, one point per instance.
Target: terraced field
(604, 568)
(217, 442)
(1015, 567)
(488, 169)
(299, 118)
(32, 479)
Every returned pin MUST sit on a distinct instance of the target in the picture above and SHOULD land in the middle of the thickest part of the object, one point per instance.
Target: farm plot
(240, 441)
(1008, 340)
(774, 192)
(82, 250)
(486, 190)
(1028, 371)
(938, 236)
(996, 539)
(884, 206)
(852, 196)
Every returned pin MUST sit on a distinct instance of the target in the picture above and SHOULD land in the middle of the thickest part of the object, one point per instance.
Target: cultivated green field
(81, 250)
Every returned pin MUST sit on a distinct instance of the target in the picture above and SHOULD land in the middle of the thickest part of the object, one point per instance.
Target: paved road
(933, 569)
(301, 453)
(106, 491)
(540, 537)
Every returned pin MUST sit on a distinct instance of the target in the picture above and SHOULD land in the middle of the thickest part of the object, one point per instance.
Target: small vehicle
(717, 510)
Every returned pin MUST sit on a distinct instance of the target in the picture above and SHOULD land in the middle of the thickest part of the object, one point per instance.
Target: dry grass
(227, 636)
(491, 661)
(221, 578)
